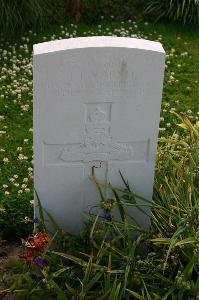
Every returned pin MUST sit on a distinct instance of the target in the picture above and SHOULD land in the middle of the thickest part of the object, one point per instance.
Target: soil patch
(8, 251)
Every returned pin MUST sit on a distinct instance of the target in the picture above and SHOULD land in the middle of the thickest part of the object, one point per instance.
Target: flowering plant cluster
(36, 245)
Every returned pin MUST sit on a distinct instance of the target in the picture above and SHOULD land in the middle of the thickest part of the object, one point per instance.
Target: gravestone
(96, 107)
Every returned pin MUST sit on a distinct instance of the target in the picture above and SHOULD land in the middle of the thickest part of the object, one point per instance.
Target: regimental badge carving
(98, 144)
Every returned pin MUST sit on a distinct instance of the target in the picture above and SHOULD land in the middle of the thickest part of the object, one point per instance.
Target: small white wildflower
(184, 54)
(22, 157)
(26, 220)
(2, 132)
(5, 160)
(172, 110)
(2, 209)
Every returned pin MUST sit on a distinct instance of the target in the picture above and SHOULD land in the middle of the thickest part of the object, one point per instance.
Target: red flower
(35, 246)
(28, 257)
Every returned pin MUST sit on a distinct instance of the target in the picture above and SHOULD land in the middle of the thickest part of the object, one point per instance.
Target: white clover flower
(32, 202)
(15, 176)
(22, 157)
(26, 220)
(27, 190)
(5, 186)
(184, 54)
(2, 132)
(20, 191)
(7, 193)
(172, 109)
(2, 209)
(5, 160)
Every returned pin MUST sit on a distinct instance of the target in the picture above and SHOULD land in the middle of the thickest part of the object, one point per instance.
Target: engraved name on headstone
(96, 105)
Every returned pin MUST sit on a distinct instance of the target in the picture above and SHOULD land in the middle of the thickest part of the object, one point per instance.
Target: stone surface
(96, 107)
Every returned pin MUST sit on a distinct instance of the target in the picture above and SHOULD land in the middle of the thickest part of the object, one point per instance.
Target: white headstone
(96, 104)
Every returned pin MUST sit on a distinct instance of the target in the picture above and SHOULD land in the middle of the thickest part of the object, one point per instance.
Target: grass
(181, 93)
(105, 262)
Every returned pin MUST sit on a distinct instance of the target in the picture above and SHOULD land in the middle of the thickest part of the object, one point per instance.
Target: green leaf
(134, 294)
(80, 261)
(119, 203)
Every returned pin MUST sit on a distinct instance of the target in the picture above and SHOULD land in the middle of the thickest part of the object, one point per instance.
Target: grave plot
(96, 108)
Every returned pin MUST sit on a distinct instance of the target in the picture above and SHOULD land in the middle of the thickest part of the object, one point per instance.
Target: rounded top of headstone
(97, 42)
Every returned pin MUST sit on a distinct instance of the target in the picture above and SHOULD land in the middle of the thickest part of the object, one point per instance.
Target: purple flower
(108, 216)
(40, 262)
(35, 220)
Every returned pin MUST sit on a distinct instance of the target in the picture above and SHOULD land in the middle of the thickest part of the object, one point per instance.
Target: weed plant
(108, 260)
(186, 11)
